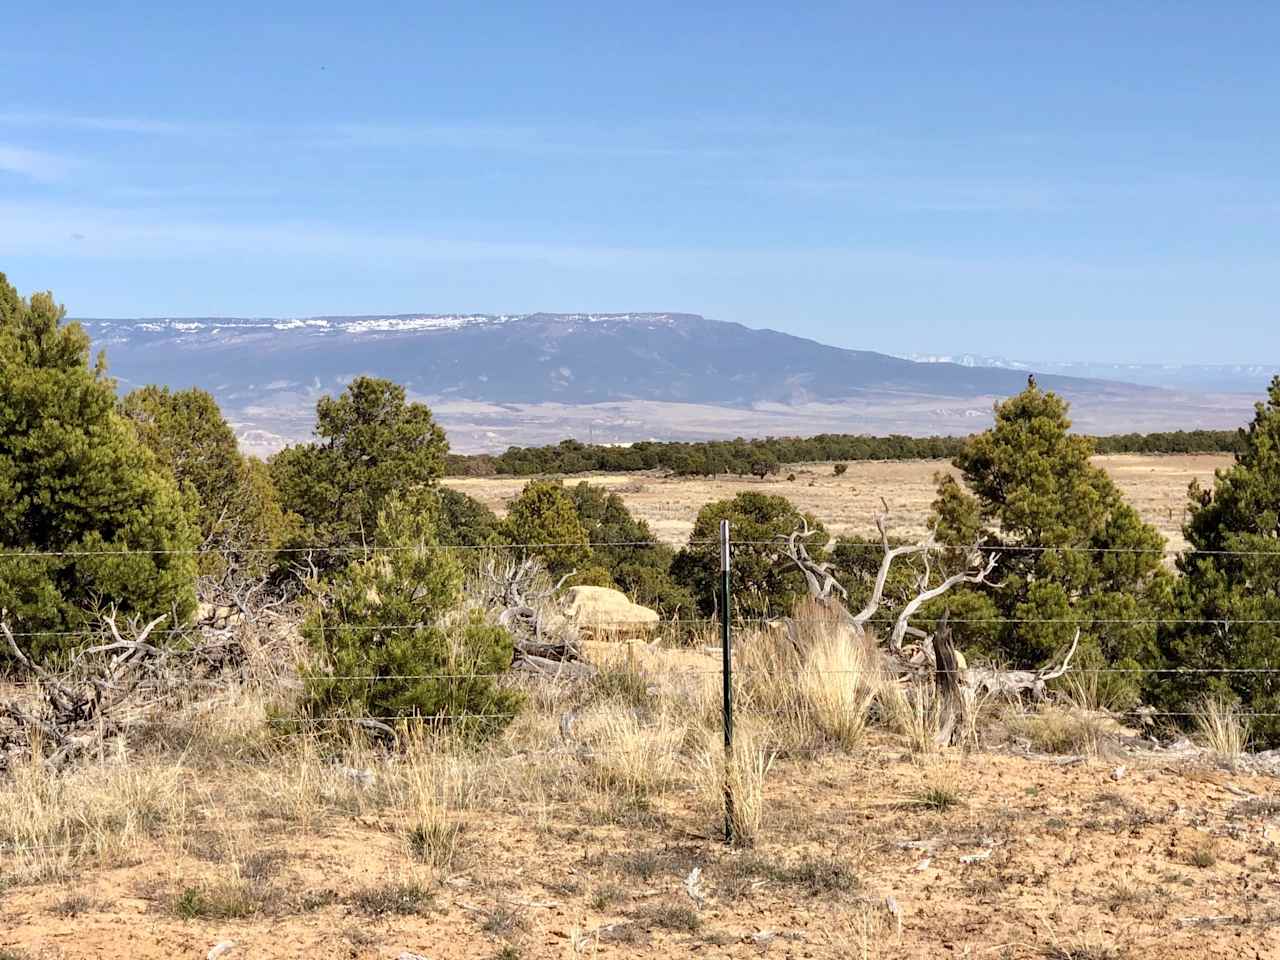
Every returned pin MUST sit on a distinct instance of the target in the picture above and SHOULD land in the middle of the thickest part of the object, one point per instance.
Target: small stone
(221, 949)
(362, 777)
(1119, 772)
(895, 911)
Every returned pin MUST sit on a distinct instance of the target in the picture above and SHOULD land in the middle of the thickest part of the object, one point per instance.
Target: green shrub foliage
(237, 511)
(74, 477)
(1077, 555)
(1230, 582)
(763, 581)
(543, 522)
(373, 444)
(392, 642)
(466, 522)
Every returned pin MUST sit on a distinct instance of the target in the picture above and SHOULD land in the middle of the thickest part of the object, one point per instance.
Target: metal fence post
(726, 645)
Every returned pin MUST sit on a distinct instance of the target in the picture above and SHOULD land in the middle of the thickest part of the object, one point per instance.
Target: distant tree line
(762, 457)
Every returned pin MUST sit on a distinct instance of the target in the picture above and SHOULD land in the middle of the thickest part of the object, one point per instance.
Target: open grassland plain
(847, 505)
(226, 837)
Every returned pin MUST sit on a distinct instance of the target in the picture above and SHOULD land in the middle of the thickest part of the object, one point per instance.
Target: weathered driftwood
(103, 690)
(948, 678)
(544, 643)
(1015, 684)
(928, 658)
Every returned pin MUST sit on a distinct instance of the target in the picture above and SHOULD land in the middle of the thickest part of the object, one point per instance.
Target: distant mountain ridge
(496, 379)
(573, 358)
(1209, 377)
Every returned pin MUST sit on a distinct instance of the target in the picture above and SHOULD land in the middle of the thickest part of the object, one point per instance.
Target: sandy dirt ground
(1036, 859)
(1155, 485)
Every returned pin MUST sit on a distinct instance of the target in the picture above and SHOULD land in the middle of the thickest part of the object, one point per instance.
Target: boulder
(601, 610)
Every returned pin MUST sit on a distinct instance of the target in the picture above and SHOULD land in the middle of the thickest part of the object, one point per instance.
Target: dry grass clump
(103, 814)
(839, 680)
(733, 786)
(435, 839)
(813, 682)
(915, 713)
(938, 794)
(1058, 729)
(230, 899)
(1221, 727)
(631, 756)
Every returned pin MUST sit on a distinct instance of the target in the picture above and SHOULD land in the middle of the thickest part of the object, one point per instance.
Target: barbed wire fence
(727, 623)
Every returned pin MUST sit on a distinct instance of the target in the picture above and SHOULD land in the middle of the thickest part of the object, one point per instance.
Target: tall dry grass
(732, 784)
(813, 685)
(1221, 726)
(631, 756)
(103, 813)
(915, 713)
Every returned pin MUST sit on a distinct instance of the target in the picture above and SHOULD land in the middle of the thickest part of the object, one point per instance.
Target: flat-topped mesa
(114, 329)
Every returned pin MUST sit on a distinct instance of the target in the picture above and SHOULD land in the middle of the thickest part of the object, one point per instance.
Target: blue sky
(1051, 181)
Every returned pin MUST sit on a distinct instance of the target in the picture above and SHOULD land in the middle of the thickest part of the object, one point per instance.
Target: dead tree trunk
(544, 642)
(106, 688)
(916, 661)
(948, 677)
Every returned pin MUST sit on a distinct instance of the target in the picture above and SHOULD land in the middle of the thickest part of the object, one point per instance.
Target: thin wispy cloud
(929, 194)
(104, 124)
(38, 165)
(498, 136)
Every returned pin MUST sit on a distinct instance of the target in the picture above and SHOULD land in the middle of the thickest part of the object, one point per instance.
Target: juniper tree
(466, 522)
(372, 443)
(763, 580)
(1228, 599)
(543, 522)
(236, 507)
(391, 639)
(88, 517)
(1075, 555)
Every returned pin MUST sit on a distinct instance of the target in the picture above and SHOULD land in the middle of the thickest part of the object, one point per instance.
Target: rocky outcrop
(601, 611)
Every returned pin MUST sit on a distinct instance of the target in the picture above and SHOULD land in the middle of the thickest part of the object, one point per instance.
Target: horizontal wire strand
(653, 544)
(624, 625)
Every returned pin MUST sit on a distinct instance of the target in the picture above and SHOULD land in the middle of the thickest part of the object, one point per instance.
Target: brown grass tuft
(1221, 727)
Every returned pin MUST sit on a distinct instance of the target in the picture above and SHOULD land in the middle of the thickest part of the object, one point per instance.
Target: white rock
(693, 886)
(602, 610)
(221, 949)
